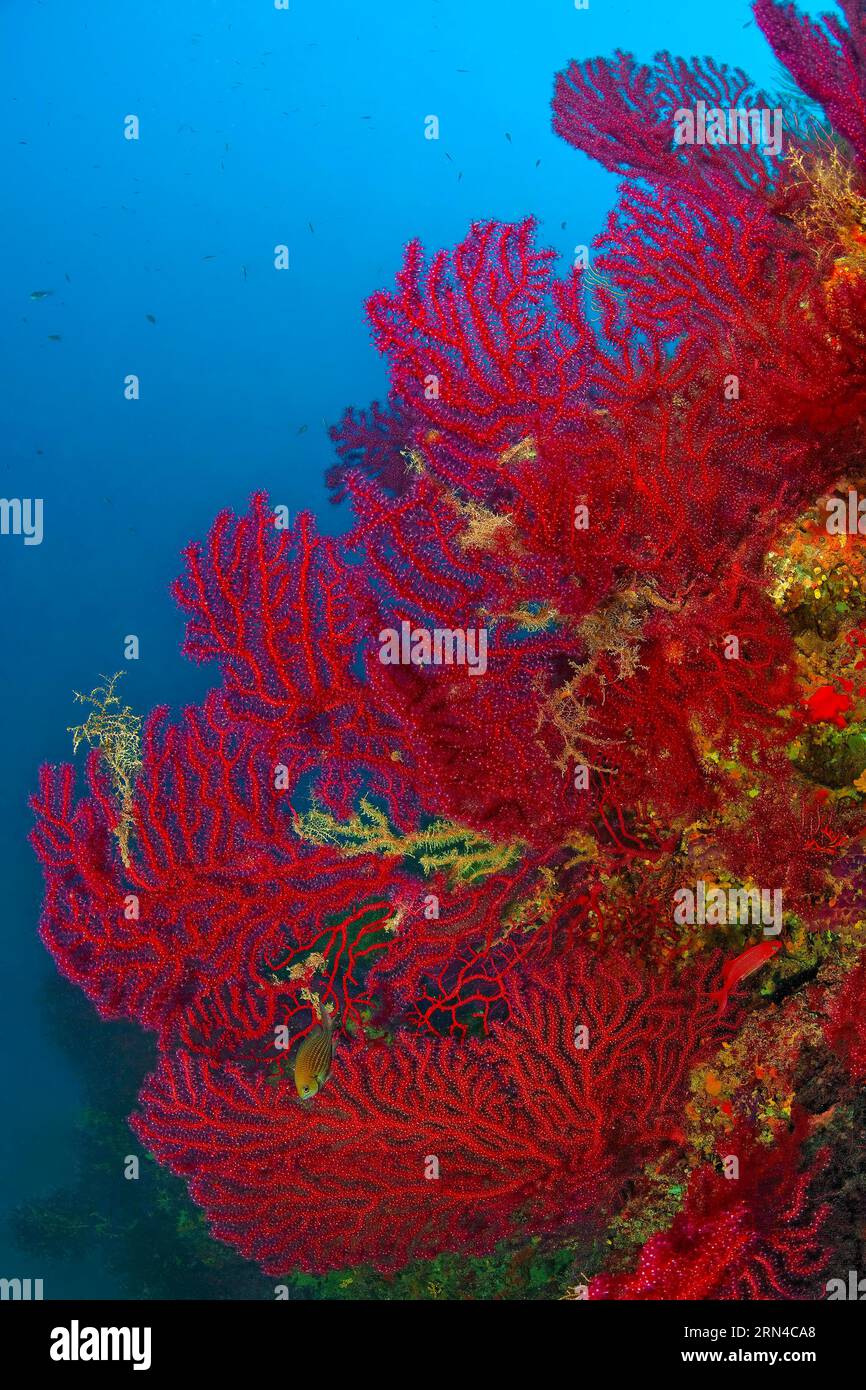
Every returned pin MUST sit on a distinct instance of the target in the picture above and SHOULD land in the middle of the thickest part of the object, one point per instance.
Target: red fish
(742, 965)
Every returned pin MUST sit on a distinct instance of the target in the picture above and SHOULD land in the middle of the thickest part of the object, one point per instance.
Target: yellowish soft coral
(484, 528)
(538, 906)
(116, 731)
(832, 214)
(442, 846)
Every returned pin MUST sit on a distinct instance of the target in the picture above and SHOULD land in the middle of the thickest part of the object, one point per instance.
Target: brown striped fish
(314, 1056)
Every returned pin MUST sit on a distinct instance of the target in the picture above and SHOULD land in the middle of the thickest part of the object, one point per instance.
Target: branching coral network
(619, 478)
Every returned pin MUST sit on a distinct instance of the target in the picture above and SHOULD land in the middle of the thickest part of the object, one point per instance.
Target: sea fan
(467, 862)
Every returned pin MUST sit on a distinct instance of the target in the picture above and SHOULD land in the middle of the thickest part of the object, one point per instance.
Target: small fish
(459, 176)
(746, 963)
(508, 137)
(150, 318)
(40, 294)
(303, 429)
(54, 338)
(208, 258)
(314, 1057)
(244, 271)
(537, 162)
(67, 277)
(311, 227)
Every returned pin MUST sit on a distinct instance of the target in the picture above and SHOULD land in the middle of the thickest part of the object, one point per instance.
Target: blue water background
(258, 127)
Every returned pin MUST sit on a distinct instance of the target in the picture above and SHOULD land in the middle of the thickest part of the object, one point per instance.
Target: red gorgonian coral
(538, 1119)
(845, 1029)
(757, 1235)
(467, 865)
